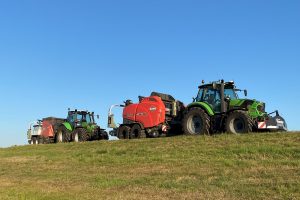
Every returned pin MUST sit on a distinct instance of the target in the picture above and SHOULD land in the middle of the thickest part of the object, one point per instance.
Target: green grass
(252, 166)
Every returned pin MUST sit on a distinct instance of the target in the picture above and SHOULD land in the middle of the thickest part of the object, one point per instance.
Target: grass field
(252, 166)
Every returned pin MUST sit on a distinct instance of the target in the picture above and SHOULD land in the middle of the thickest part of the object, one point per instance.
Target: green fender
(68, 126)
(203, 105)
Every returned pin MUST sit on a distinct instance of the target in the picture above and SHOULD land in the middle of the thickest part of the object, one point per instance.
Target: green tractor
(79, 126)
(217, 108)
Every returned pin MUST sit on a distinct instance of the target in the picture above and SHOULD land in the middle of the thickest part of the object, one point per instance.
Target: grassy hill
(252, 166)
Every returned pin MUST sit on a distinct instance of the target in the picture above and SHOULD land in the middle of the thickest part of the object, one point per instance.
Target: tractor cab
(212, 94)
(80, 118)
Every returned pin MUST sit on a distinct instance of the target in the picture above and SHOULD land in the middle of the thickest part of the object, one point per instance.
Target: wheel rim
(156, 133)
(195, 124)
(59, 137)
(76, 138)
(239, 125)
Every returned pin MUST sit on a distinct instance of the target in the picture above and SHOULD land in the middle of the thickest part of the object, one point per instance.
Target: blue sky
(56, 54)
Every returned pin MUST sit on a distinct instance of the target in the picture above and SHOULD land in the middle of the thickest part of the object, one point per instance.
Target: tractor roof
(81, 111)
(229, 84)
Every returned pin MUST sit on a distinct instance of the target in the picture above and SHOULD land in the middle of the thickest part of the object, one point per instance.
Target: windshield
(199, 96)
(80, 117)
(71, 117)
(230, 93)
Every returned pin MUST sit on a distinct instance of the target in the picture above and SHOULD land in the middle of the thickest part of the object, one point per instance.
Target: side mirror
(194, 99)
(245, 93)
(98, 117)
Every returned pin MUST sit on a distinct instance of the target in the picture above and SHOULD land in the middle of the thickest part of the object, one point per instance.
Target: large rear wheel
(124, 132)
(196, 122)
(239, 122)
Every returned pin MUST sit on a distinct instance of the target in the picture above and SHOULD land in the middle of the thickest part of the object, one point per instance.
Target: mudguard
(68, 126)
(204, 106)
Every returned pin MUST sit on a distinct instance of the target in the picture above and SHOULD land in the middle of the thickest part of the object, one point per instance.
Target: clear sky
(56, 54)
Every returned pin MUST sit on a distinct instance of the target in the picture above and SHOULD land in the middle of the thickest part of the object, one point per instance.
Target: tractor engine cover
(149, 112)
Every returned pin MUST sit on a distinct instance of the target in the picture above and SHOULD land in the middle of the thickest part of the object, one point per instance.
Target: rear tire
(239, 122)
(137, 132)
(124, 132)
(196, 122)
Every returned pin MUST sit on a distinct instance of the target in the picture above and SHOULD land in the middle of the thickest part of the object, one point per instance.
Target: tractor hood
(256, 109)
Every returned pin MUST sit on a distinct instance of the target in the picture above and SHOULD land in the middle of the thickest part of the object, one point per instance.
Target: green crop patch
(249, 166)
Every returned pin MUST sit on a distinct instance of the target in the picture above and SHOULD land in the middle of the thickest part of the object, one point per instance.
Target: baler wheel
(61, 135)
(196, 122)
(137, 132)
(239, 122)
(123, 132)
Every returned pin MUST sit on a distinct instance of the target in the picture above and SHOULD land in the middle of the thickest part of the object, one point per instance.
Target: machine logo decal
(153, 108)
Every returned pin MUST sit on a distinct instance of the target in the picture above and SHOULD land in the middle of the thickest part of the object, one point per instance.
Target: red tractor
(156, 115)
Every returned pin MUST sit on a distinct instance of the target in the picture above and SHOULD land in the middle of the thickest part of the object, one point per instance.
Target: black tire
(137, 132)
(123, 132)
(62, 135)
(83, 134)
(239, 122)
(196, 122)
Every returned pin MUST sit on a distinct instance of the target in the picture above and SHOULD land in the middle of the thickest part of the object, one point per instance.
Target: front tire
(239, 122)
(196, 122)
